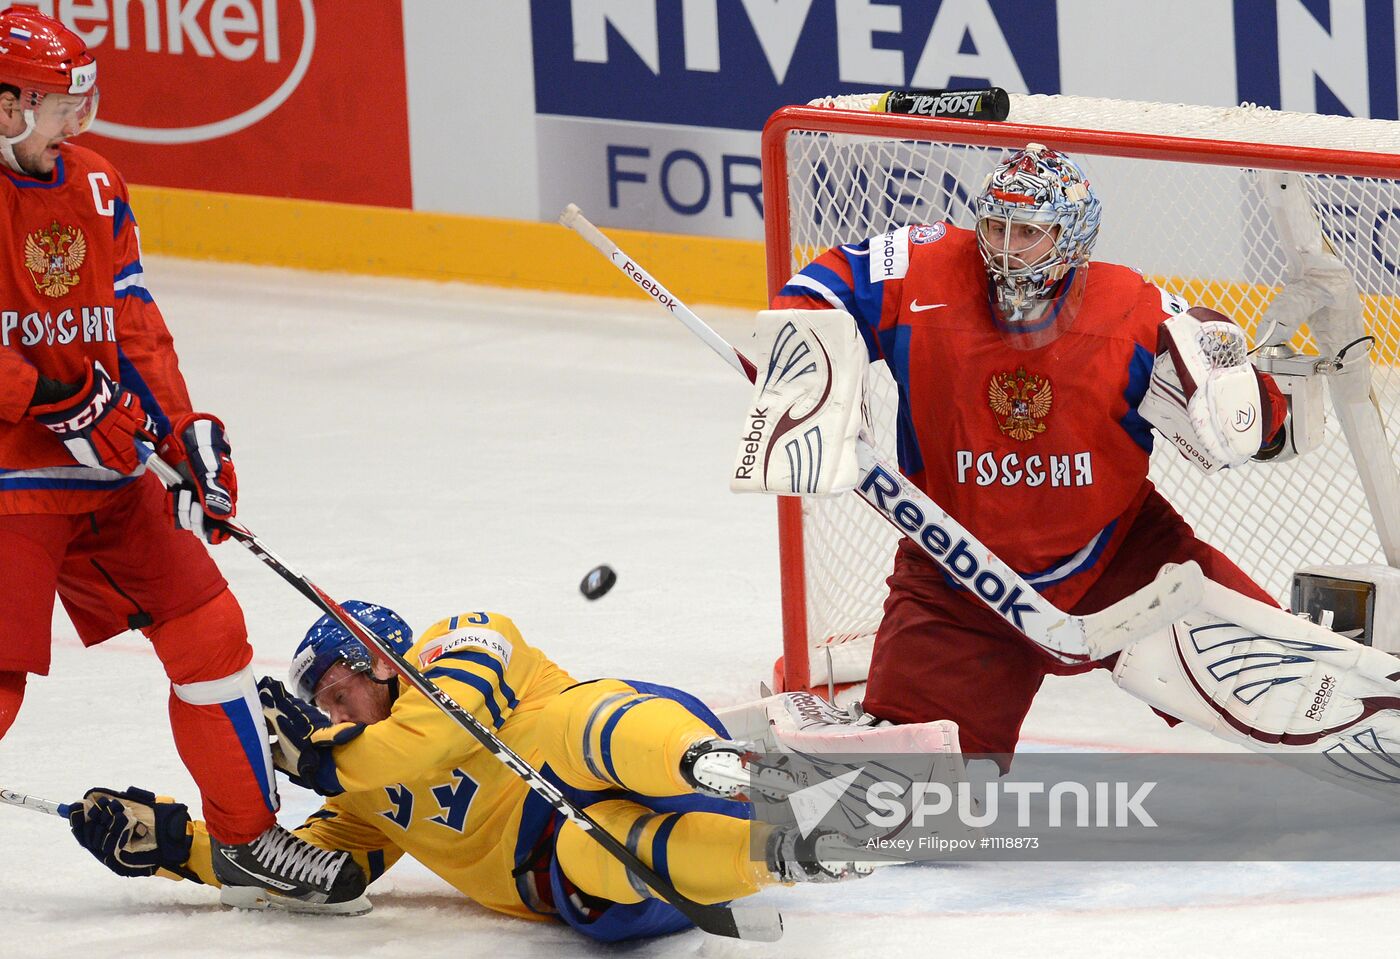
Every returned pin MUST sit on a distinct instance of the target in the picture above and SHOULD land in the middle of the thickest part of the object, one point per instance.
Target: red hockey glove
(198, 448)
(99, 423)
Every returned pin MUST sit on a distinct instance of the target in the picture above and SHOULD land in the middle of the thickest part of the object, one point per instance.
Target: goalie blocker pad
(799, 435)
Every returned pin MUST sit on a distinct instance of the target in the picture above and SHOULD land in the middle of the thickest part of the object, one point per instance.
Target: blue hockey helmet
(327, 642)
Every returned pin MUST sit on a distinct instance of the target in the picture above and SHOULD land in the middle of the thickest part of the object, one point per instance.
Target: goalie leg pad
(831, 746)
(1260, 677)
(800, 432)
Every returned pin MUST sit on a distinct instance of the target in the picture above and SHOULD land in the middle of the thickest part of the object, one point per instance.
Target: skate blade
(256, 898)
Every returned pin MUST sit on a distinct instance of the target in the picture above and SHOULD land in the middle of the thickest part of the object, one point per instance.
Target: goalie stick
(1067, 638)
(756, 923)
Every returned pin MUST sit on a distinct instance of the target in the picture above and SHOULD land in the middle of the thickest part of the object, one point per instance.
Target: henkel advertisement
(286, 98)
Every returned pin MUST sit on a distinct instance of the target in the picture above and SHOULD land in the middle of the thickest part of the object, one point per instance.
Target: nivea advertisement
(648, 110)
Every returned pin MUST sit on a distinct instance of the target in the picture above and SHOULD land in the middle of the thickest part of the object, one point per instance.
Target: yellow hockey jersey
(418, 783)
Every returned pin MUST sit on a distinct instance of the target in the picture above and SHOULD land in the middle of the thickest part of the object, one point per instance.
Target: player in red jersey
(87, 368)
(1029, 379)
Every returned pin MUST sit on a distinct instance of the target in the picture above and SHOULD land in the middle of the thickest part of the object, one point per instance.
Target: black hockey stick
(756, 923)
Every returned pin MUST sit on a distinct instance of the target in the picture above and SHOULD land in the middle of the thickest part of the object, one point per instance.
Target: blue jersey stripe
(9, 483)
(121, 213)
(1063, 568)
(1139, 374)
(1056, 574)
(26, 183)
(833, 281)
(138, 292)
(475, 682)
(489, 661)
(132, 379)
(911, 456)
(803, 292)
(869, 297)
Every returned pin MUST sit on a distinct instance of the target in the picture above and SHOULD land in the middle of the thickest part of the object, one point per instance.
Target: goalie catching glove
(1204, 394)
(799, 436)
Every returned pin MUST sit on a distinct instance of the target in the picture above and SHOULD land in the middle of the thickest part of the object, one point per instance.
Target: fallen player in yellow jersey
(650, 763)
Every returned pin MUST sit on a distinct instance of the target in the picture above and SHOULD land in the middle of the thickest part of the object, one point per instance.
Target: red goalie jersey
(75, 292)
(1040, 452)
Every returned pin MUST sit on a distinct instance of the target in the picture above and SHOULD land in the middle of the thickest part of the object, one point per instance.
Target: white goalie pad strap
(1203, 395)
(1271, 681)
(799, 435)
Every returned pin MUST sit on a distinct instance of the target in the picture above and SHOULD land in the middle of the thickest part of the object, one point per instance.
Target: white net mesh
(1202, 231)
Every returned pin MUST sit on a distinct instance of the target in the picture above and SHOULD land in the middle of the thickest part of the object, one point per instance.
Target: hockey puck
(599, 580)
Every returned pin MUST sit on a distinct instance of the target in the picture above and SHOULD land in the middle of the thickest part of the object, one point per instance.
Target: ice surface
(447, 448)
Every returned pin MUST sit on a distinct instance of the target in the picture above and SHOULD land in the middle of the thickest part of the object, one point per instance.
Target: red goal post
(1183, 202)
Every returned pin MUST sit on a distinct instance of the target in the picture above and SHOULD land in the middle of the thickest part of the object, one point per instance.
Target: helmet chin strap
(8, 144)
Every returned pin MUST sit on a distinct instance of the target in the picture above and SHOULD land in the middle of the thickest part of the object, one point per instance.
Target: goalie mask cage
(1184, 202)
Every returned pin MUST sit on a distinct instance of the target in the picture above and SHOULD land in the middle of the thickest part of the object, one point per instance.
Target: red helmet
(39, 53)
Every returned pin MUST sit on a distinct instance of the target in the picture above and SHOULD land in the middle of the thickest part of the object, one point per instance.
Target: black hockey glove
(305, 738)
(133, 832)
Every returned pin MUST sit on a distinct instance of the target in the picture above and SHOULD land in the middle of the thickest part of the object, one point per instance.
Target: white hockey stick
(1069, 639)
(11, 798)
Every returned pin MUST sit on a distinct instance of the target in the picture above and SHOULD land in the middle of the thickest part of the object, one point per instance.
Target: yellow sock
(705, 855)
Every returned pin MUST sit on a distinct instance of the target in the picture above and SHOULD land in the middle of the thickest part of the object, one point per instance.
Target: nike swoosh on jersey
(917, 307)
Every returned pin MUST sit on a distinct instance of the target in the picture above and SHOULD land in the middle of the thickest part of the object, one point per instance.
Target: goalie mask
(54, 73)
(1037, 219)
(327, 642)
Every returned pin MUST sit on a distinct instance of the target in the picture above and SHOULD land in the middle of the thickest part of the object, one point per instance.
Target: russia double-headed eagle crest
(52, 255)
(1020, 400)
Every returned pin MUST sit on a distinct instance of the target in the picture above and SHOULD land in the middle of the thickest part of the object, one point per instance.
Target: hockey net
(1182, 204)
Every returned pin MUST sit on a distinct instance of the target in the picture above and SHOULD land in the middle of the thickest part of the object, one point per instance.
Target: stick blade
(752, 923)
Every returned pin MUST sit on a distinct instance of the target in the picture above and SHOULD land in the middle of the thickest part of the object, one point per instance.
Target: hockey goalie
(1031, 380)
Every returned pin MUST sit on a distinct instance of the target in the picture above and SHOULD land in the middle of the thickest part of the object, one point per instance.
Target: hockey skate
(279, 870)
(729, 769)
(823, 856)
